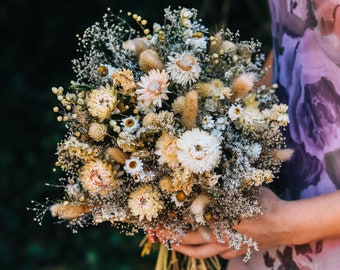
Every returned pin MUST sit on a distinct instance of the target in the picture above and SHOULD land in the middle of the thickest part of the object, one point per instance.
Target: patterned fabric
(306, 40)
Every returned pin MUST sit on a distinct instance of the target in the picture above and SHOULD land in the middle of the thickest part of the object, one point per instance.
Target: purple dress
(306, 40)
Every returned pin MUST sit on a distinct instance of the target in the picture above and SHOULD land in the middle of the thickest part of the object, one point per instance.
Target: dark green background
(37, 43)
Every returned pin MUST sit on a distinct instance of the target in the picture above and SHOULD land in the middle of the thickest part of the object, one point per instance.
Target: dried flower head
(117, 154)
(97, 131)
(198, 151)
(123, 78)
(98, 177)
(183, 69)
(178, 105)
(197, 207)
(102, 102)
(166, 149)
(69, 210)
(242, 85)
(136, 46)
(154, 88)
(145, 203)
(190, 110)
(149, 60)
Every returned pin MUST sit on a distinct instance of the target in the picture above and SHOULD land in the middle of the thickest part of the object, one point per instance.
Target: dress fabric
(306, 42)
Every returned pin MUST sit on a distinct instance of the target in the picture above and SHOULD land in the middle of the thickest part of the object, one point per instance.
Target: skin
(283, 223)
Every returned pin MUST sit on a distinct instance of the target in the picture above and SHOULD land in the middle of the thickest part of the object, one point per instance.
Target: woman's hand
(282, 223)
(263, 229)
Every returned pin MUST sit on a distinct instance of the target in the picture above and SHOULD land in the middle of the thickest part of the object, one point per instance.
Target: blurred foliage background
(37, 44)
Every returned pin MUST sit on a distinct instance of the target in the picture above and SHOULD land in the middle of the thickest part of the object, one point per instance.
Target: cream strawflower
(145, 203)
(123, 78)
(183, 69)
(198, 151)
(154, 88)
(102, 102)
(167, 150)
(97, 131)
(98, 177)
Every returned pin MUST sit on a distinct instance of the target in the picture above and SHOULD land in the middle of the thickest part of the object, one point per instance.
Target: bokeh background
(37, 43)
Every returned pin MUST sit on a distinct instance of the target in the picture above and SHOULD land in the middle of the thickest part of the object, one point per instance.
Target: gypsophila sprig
(168, 129)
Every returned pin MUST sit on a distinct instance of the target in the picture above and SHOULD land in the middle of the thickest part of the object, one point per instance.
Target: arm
(283, 223)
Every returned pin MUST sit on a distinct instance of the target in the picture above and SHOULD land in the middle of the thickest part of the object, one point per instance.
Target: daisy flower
(130, 124)
(145, 203)
(198, 151)
(133, 166)
(183, 69)
(154, 88)
(208, 122)
(235, 112)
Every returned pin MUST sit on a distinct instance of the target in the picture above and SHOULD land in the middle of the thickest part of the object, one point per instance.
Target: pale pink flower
(154, 88)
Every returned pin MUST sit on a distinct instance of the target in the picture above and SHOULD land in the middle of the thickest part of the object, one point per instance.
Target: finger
(201, 251)
(231, 253)
(196, 238)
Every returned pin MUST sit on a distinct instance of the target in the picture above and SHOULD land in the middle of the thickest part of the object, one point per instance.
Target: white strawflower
(183, 69)
(207, 122)
(235, 112)
(133, 166)
(198, 151)
(130, 124)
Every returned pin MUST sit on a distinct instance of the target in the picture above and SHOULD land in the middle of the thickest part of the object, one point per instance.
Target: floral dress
(306, 40)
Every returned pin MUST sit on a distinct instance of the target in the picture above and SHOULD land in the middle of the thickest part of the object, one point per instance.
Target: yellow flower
(167, 150)
(145, 203)
(97, 131)
(102, 102)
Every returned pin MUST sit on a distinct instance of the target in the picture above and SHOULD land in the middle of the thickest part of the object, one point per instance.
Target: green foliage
(37, 44)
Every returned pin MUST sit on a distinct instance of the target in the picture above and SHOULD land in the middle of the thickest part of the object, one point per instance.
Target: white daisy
(198, 151)
(235, 112)
(207, 122)
(134, 166)
(130, 124)
(221, 123)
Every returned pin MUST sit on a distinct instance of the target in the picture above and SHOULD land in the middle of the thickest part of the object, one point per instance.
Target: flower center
(133, 164)
(186, 62)
(129, 122)
(154, 86)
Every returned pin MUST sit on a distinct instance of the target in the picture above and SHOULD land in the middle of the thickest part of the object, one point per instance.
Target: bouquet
(168, 130)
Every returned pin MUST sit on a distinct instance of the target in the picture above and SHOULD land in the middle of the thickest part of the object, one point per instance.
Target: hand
(263, 229)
